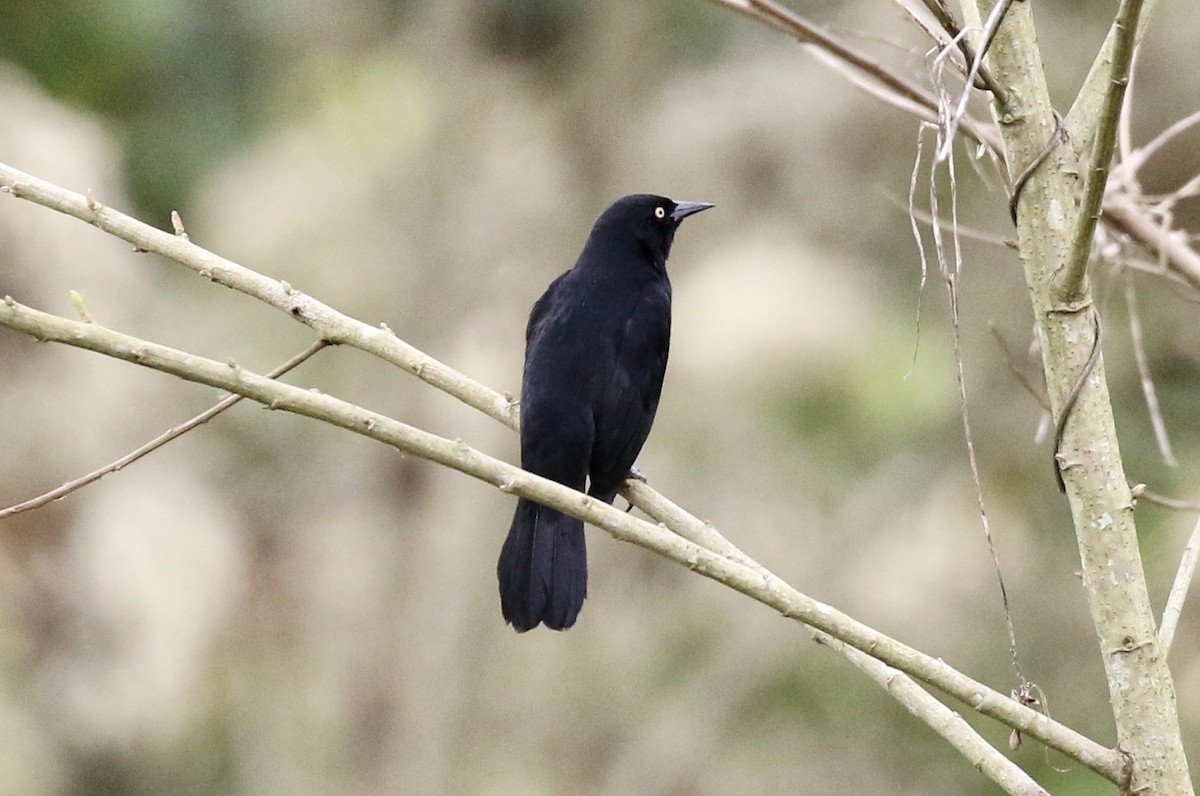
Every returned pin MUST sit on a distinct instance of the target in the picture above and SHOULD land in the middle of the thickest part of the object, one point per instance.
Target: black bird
(595, 354)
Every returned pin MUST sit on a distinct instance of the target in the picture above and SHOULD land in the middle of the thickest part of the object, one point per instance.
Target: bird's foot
(635, 475)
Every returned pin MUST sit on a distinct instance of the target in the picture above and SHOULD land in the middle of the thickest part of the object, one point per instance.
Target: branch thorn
(177, 225)
(80, 306)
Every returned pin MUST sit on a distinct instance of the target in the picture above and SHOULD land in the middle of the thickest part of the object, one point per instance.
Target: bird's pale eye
(659, 212)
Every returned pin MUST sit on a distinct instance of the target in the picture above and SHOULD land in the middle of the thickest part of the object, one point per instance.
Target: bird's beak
(684, 209)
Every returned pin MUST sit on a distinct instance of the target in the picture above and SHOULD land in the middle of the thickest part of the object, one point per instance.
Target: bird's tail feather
(542, 569)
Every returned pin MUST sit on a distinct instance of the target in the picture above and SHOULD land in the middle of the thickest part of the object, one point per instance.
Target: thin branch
(952, 287)
(1164, 204)
(972, 234)
(1071, 283)
(1124, 136)
(950, 725)
(1001, 99)
(1179, 590)
(951, 33)
(328, 323)
(1138, 157)
(1085, 110)
(805, 32)
(1175, 504)
(1121, 212)
(950, 276)
(900, 686)
(753, 581)
(1022, 378)
(157, 442)
(1143, 367)
(1124, 215)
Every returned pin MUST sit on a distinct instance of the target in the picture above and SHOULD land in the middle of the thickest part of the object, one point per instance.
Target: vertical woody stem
(1140, 687)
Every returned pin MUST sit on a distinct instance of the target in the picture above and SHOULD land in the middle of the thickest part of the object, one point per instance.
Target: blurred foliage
(268, 606)
(182, 82)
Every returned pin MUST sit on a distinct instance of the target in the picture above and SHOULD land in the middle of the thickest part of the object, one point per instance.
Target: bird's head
(648, 220)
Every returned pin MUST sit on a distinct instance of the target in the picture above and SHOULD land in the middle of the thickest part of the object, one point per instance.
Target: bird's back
(596, 355)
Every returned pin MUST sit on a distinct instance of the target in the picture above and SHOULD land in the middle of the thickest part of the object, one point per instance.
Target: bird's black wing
(541, 309)
(629, 400)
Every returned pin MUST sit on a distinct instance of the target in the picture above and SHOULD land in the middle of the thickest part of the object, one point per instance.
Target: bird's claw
(637, 475)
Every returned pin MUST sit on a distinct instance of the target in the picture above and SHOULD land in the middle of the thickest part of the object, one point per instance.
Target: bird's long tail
(542, 569)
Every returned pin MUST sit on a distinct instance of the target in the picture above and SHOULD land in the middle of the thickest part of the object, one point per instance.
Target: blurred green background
(270, 606)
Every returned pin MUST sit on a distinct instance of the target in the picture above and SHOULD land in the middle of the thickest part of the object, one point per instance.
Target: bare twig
(1143, 366)
(1120, 211)
(964, 232)
(951, 285)
(1173, 250)
(950, 725)
(916, 231)
(1000, 96)
(1175, 504)
(944, 154)
(1124, 137)
(951, 33)
(1081, 119)
(1164, 204)
(787, 21)
(1138, 157)
(950, 276)
(900, 686)
(1179, 590)
(154, 444)
(1022, 378)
